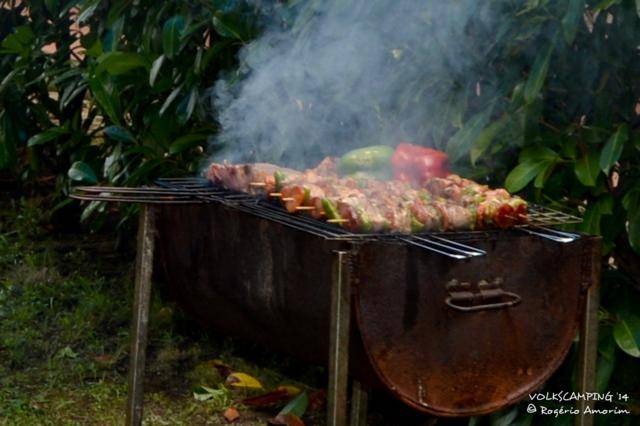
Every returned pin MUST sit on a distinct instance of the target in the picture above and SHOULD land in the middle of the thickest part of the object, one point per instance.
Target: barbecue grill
(453, 323)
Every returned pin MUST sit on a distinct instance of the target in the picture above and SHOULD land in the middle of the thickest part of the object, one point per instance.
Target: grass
(64, 336)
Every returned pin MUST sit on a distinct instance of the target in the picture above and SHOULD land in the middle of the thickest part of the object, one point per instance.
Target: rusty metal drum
(448, 337)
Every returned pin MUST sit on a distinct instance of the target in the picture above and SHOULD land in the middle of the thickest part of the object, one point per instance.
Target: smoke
(346, 74)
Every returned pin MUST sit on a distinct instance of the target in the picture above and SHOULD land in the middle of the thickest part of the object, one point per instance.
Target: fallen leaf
(288, 419)
(297, 405)
(293, 390)
(231, 415)
(242, 380)
(204, 393)
(268, 399)
(317, 400)
(222, 368)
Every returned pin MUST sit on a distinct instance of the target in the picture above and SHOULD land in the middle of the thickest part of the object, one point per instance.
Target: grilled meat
(370, 205)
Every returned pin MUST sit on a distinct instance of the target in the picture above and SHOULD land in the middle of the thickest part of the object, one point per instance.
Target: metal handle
(466, 297)
(515, 299)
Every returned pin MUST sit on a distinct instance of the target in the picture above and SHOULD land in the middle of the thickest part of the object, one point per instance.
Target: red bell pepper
(416, 164)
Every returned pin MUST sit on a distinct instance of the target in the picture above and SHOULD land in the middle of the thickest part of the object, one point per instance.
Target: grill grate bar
(544, 216)
(425, 244)
(199, 190)
(452, 245)
(551, 234)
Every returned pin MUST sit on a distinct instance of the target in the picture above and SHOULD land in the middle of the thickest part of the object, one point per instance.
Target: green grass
(65, 305)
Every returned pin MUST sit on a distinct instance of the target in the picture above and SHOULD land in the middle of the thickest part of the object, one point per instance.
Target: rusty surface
(257, 280)
(454, 363)
(248, 277)
(140, 322)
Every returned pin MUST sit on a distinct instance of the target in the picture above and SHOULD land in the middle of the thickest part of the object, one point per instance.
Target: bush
(122, 97)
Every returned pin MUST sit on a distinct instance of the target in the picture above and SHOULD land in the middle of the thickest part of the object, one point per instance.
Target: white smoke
(353, 73)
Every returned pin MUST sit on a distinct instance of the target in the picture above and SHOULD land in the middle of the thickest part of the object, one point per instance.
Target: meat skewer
(369, 205)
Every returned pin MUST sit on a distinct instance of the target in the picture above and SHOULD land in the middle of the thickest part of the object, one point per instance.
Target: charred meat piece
(253, 178)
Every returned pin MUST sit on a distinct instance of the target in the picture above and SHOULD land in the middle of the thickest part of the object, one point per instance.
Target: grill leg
(339, 343)
(588, 352)
(359, 404)
(140, 324)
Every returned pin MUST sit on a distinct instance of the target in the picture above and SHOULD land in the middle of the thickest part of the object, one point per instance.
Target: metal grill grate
(200, 190)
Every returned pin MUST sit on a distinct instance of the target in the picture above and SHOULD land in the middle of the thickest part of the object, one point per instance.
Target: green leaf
(118, 63)
(229, 27)
(47, 136)
(186, 142)
(605, 4)
(544, 174)
(174, 93)
(7, 79)
(631, 200)
(593, 215)
(627, 334)
(155, 69)
(19, 42)
(52, 6)
(297, 406)
(187, 105)
(119, 133)
(204, 393)
(91, 208)
(96, 49)
(108, 102)
(485, 138)
(87, 9)
(171, 36)
(634, 231)
(538, 153)
(197, 63)
(538, 74)
(461, 142)
(572, 19)
(586, 168)
(212, 52)
(81, 171)
(524, 173)
(613, 149)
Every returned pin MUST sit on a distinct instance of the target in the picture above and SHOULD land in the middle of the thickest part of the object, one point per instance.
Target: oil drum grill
(462, 296)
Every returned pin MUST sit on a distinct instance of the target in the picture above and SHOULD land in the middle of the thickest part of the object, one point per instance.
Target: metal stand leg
(359, 405)
(588, 353)
(141, 302)
(339, 343)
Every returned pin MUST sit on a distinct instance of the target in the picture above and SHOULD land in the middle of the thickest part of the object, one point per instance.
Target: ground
(65, 309)
(65, 304)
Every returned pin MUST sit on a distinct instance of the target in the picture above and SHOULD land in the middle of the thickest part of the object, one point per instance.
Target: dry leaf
(222, 368)
(293, 390)
(317, 400)
(288, 419)
(231, 414)
(243, 380)
(267, 399)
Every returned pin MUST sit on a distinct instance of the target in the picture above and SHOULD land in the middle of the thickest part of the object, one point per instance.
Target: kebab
(361, 202)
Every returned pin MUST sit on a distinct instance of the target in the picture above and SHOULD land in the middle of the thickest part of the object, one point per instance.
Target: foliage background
(128, 102)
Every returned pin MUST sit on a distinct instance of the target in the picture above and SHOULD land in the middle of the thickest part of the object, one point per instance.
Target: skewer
(337, 220)
(305, 208)
(257, 184)
(288, 199)
(275, 194)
